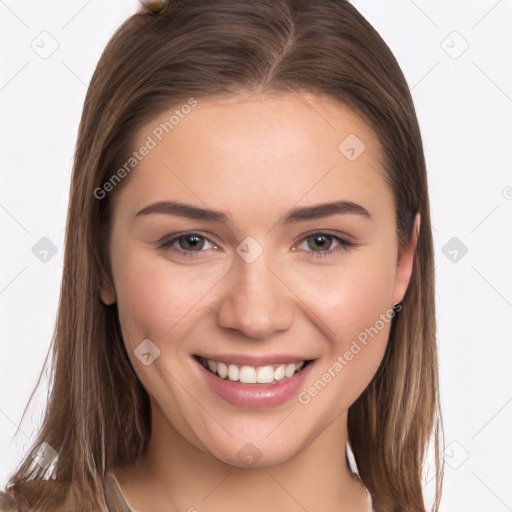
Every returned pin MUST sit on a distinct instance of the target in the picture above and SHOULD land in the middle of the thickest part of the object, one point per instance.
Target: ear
(107, 294)
(405, 263)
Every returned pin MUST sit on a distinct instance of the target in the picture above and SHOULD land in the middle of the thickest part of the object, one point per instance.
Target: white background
(464, 106)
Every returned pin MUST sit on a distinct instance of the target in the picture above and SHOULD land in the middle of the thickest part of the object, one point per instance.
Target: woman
(247, 315)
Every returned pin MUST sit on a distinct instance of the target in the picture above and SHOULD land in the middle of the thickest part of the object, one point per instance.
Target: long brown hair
(97, 414)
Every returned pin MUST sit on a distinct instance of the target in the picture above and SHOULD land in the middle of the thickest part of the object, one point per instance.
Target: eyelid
(344, 242)
(336, 234)
(168, 241)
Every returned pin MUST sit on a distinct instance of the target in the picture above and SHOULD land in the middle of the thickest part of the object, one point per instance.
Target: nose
(256, 302)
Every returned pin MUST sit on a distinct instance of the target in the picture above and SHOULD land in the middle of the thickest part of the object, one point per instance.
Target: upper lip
(255, 360)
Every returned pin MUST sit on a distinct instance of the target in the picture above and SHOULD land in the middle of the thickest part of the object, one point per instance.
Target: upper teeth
(253, 374)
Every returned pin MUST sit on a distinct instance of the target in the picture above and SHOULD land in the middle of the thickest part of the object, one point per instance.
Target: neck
(176, 475)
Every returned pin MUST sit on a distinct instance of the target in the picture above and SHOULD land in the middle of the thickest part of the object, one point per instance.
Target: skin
(254, 157)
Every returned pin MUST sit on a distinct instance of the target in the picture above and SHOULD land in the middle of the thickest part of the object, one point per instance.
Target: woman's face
(258, 234)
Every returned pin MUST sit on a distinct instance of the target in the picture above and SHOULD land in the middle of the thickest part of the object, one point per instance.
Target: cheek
(155, 296)
(352, 295)
(354, 302)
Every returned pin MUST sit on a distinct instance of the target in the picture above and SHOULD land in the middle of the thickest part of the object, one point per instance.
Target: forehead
(257, 152)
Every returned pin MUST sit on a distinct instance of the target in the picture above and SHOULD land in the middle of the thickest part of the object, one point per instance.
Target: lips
(254, 381)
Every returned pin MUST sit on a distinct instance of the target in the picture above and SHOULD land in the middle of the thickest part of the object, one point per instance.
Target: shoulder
(60, 491)
(7, 503)
(32, 491)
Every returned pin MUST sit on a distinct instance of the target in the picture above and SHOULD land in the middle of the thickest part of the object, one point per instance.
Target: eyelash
(168, 241)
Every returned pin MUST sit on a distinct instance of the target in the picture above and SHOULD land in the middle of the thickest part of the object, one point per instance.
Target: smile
(259, 385)
(246, 374)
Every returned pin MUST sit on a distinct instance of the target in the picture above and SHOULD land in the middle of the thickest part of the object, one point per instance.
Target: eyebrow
(296, 215)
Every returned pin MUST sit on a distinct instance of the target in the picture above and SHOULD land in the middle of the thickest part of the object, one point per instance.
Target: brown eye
(191, 242)
(323, 245)
(320, 242)
(187, 244)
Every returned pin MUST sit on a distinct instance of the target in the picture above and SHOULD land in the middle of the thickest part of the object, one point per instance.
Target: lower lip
(255, 395)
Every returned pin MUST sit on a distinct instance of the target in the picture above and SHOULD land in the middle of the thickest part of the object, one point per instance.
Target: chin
(258, 450)
(254, 455)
